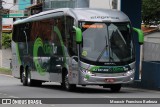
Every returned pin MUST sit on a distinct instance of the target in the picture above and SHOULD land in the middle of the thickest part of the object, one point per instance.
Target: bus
(73, 47)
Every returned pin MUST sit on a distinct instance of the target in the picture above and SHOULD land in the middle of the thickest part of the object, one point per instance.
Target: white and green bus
(75, 47)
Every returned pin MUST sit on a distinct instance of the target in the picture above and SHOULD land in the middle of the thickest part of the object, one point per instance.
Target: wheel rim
(29, 78)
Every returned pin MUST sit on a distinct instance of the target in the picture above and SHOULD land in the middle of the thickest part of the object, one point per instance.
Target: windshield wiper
(104, 49)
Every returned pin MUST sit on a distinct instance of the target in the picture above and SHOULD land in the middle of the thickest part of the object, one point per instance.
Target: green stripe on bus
(61, 41)
(18, 56)
(38, 43)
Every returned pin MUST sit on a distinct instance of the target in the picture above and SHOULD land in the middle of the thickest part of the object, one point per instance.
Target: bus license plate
(110, 80)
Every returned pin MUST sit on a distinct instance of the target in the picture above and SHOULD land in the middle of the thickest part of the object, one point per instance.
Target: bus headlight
(88, 72)
(130, 72)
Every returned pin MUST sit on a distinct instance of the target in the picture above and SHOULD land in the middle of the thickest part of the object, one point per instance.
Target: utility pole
(1, 8)
(1, 33)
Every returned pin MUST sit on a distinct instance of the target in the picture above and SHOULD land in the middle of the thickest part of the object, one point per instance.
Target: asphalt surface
(12, 88)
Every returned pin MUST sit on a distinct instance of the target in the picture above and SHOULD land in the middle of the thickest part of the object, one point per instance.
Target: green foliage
(6, 40)
(5, 71)
(151, 12)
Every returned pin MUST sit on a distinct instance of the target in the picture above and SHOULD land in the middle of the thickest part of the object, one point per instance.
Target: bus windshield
(107, 42)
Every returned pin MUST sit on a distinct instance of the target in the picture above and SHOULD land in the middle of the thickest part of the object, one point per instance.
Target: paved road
(12, 88)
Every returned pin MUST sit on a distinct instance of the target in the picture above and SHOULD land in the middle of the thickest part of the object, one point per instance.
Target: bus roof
(81, 14)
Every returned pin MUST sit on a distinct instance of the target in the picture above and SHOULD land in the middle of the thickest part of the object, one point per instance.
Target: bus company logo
(47, 50)
(38, 44)
(104, 17)
(99, 17)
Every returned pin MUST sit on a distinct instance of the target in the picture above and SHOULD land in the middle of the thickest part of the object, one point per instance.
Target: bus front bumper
(121, 78)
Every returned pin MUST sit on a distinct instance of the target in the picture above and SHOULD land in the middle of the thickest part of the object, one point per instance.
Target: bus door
(56, 68)
(73, 74)
(57, 58)
(74, 65)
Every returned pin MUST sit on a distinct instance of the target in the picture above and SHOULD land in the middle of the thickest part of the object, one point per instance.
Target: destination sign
(93, 26)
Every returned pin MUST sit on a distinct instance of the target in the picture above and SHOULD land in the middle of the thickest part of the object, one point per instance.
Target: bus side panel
(38, 65)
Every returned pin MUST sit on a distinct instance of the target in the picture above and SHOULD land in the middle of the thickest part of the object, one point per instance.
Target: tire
(24, 78)
(36, 83)
(31, 82)
(21, 73)
(116, 87)
(67, 85)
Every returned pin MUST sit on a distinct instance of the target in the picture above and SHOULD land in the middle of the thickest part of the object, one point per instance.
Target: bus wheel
(24, 78)
(32, 82)
(29, 80)
(116, 87)
(67, 85)
(36, 83)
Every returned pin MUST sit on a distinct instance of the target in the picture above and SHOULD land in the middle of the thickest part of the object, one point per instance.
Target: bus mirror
(140, 35)
(78, 34)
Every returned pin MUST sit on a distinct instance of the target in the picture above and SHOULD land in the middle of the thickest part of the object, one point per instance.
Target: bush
(6, 40)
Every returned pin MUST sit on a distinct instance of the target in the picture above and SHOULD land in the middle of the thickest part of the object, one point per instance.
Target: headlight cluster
(87, 72)
(130, 72)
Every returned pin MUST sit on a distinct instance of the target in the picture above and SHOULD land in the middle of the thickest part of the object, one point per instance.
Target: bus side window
(18, 33)
(27, 30)
(15, 33)
(21, 35)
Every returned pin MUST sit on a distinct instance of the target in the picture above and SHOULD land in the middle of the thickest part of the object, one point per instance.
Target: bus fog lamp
(88, 72)
(132, 78)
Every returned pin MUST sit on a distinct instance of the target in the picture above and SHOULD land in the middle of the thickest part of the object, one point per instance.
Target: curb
(6, 75)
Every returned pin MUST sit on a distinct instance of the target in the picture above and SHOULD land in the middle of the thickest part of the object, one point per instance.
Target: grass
(5, 71)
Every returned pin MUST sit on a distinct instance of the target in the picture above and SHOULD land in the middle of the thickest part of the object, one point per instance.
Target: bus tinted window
(21, 32)
(15, 32)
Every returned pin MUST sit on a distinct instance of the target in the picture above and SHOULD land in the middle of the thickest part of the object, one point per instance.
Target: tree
(6, 40)
(151, 12)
